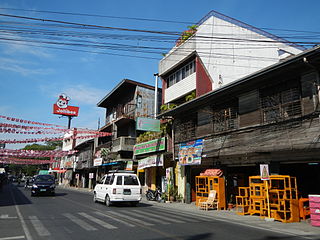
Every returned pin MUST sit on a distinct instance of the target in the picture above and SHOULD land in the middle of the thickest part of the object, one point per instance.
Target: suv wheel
(108, 203)
(95, 197)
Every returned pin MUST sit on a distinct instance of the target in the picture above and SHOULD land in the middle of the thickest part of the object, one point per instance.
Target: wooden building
(268, 117)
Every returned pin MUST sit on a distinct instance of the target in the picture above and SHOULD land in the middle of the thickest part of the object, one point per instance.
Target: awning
(110, 163)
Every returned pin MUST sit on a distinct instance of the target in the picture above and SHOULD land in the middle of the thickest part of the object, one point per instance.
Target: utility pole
(156, 95)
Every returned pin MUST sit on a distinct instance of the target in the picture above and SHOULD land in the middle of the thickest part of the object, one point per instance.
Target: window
(109, 180)
(119, 180)
(139, 101)
(281, 105)
(131, 180)
(225, 119)
(181, 73)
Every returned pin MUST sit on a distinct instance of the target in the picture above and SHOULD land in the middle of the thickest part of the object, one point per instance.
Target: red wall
(164, 87)
(203, 81)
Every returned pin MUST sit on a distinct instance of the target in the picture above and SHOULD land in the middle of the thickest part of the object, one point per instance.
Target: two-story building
(124, 104)
(269, 117)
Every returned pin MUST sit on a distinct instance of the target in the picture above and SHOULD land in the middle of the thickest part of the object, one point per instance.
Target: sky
(42, 57)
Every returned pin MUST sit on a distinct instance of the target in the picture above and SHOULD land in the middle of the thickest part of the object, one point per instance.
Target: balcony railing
(123, 144)
(122, 111)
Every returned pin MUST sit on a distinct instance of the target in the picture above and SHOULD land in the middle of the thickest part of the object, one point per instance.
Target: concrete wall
(227, 51)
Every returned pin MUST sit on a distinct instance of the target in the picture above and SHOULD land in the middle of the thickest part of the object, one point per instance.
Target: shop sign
(129, 166)
(150, 146)
(97, 162)
(148, 124)
(264, 172)
(61, 107)
(151, 161)
(91, 175)
(190, 153)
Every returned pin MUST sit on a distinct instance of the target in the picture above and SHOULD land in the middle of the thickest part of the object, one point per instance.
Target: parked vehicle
(118, 186)
(43, 184)
(154, 195)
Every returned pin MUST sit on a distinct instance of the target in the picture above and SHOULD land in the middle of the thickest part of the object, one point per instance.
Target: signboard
(91, 175)
(190, 153)
(129, 165)
(148, 124)
(150, 146)
(97, 162)
(264, 172)
(61, 107)
(151, 161)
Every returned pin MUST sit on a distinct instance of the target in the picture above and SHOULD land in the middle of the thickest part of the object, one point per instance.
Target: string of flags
(32, 156)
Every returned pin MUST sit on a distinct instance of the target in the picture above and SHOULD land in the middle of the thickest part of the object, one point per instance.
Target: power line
(143, 19)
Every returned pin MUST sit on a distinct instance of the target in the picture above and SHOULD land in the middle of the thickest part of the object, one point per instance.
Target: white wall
(181, 88)
(228, 52)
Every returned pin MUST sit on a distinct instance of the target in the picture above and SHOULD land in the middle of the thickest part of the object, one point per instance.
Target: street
(73, 215)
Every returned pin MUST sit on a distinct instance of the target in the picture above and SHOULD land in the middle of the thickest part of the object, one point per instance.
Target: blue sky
(33, 75)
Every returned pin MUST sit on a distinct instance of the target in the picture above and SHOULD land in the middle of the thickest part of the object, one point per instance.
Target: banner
(264, 172)
(150, 146)
(190, 153)
(148, 124)
(151, 161)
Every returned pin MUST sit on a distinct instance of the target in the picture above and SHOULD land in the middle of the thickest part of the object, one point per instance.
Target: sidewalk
(301, 229)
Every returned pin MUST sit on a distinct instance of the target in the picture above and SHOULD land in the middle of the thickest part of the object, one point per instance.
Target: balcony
(122, 111)
(123, 144)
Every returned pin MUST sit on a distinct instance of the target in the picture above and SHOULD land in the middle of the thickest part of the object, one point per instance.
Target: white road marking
(130, 218)
(97, 221)
(159, 217)
(152, 218)
(11, 238)
(114, 219)
(6, 216)
(78, 221)
(23, 223)
(37, 224)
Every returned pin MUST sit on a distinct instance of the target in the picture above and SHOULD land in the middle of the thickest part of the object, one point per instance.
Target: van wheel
(94, 197)
(107, 201)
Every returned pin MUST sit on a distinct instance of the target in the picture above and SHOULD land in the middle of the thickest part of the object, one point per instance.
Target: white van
(118, 186)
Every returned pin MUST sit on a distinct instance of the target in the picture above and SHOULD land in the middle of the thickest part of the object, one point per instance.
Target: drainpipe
(156, 95)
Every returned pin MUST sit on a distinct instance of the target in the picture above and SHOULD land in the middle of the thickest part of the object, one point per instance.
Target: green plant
(191, 96)
(168, 106)
(187, 34)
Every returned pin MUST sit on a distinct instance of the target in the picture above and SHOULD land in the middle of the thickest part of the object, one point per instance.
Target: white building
(221, 51)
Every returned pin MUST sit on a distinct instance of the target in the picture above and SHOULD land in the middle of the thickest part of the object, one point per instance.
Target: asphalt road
(74, 215)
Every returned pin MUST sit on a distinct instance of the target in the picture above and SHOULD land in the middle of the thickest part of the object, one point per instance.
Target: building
(269, 117)
(216, 52)
(128, 101)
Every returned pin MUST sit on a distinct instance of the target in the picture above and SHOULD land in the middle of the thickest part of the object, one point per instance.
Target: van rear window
(131, 180)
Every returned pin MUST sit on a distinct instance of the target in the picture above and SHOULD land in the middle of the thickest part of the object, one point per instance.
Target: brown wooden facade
(271, 116)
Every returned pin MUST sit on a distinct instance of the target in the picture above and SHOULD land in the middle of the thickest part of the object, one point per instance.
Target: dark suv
(43, 184)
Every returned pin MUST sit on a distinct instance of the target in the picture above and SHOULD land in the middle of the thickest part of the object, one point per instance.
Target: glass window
(187, 70)
(131, 180)
(109, 180)
(139, 101)
(183, 73)
(178, 76)
(119, 180)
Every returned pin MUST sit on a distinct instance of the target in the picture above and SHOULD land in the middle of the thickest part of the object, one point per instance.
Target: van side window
(109, 180)
(131, 180)
(119, 180)
(102, 180)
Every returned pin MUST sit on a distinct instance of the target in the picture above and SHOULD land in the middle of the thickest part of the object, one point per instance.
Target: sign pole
(69, 121)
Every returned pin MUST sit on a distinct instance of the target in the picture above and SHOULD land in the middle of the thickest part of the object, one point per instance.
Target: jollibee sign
(61, 107)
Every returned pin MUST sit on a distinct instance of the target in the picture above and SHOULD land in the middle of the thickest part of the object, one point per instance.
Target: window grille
(225, 119)
(281, 106)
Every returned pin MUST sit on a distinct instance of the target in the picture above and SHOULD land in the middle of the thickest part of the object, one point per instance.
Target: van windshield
(131, 180)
